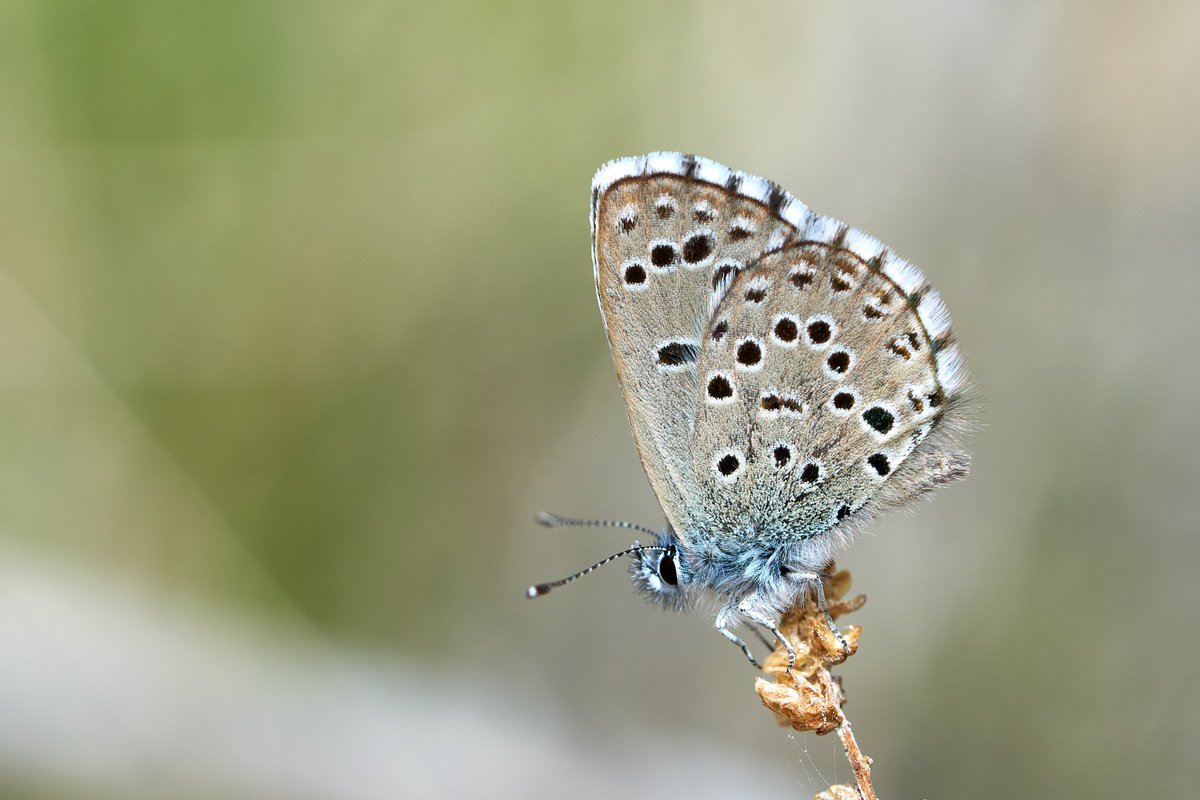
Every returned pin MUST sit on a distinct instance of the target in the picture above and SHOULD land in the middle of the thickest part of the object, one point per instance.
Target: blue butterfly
(786, 377)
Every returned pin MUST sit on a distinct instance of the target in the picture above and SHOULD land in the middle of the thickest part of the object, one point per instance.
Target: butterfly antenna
(555, 521)
(540, 589)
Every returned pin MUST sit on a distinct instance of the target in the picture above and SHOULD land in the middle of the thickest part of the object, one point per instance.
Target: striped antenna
(544, 588)
(555, 521)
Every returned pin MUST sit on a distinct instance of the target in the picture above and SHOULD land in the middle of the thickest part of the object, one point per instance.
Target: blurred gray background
(297, 332)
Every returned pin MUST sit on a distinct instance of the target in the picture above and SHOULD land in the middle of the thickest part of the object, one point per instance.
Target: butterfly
(786, 378)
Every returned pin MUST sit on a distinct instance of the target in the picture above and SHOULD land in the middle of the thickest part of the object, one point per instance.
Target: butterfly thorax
(735, 569)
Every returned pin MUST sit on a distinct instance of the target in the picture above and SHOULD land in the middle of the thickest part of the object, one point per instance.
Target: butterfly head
(659, 570)
(662, 574)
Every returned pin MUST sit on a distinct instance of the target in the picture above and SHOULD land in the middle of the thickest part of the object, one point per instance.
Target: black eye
(666, 569)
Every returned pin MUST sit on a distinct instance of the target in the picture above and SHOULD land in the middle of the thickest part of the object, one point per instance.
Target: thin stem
(860, 763)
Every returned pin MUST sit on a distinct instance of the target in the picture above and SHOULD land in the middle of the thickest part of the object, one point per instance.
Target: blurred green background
(297, 332)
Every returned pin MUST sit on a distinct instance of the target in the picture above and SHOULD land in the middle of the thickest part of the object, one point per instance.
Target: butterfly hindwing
(670, 234)
(824, 368)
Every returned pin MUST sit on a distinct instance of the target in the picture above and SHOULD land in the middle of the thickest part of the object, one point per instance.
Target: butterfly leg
(791, 651)
(752, 609)
(819, 586)
(723, 620)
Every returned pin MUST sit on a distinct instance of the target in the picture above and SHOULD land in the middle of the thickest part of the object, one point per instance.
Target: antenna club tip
(536, 591)
(547, 519)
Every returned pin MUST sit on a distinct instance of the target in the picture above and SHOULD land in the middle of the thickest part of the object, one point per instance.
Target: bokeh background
(297, 332)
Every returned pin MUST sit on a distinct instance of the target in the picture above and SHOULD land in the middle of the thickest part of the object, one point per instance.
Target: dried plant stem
(808, 697)
(860, 763)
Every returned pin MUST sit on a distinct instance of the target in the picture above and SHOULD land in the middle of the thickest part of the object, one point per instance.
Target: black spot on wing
(783, 454)
(677, 354)
(879, 418)
(697, 248)
(801, 279)
(662, 255)
(819, 331)
(719, 388)
(749, 353)
(786, 330)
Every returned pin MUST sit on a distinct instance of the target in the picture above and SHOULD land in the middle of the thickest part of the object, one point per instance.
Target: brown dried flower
(809, 698)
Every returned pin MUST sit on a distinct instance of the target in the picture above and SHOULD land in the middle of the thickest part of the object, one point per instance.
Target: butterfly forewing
(670, 236)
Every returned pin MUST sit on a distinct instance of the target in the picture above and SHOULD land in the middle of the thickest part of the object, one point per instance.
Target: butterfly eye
(666, 569)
